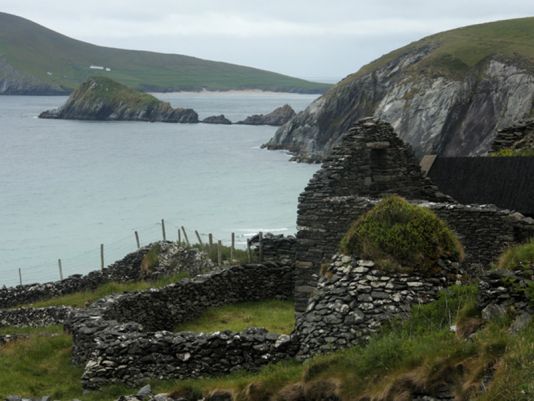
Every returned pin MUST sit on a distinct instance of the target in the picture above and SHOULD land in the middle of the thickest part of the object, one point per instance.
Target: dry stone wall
(35, 317)
(354, 298)
(126, 338)
(173, 258)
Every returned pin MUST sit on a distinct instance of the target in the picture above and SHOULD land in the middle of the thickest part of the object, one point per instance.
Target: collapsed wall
(127, 338)
(372, 162)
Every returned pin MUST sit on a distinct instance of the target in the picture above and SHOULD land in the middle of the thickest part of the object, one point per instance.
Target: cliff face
(104, 99)
(13, 82)
(438, 98)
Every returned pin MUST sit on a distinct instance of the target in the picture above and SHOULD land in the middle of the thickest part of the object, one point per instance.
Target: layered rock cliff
(277, 117)
(445, 94)
(104, 99)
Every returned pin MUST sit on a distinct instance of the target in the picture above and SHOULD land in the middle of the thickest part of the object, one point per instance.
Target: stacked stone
(164, 308)
(172, 259)
(35, 317)
(518, 136)
(8, 338)
(370, 162)
(123, 356)
(275, 248)
(505, 290)
(354, 299)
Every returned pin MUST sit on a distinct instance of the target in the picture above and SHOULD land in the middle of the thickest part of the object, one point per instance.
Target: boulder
(277, 117)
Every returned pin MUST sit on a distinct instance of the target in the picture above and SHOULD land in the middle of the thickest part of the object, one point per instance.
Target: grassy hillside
(456, 51)
(57, 59)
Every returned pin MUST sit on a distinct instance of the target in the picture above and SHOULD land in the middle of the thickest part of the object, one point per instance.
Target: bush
(398, 234)
(519, 257)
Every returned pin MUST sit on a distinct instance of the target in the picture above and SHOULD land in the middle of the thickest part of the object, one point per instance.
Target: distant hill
(37, 60)
(445, 94)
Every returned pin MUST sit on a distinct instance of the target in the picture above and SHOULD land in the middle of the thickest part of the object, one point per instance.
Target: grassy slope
(411, 352)
(36, 50)
(457, 51)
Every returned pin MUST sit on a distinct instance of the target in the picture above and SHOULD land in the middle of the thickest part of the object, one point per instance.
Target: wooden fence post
(137, 240)
(163, 230)
(20, 277)
(60, 269)
(232, 247)
(249, 252)
(185, 236)
(198, 238)
(219, 253)
(101, 256)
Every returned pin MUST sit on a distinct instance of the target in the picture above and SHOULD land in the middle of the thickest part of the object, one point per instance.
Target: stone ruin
(371, 162)
(517, 137)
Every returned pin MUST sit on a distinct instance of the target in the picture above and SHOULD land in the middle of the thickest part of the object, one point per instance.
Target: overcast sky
(316, 39)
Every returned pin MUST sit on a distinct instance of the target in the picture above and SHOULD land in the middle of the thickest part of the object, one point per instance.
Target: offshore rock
(101, 98)
(277, 117)
(220, 119)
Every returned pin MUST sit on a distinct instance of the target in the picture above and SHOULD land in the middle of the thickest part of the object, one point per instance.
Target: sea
(66, 187)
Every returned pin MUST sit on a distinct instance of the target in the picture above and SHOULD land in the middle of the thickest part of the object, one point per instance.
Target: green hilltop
(46, 57)
(455, 52)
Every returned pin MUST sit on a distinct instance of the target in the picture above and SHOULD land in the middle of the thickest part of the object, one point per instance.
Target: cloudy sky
(315, 39)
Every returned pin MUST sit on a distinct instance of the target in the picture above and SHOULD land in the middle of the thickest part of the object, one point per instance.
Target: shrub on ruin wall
(396, 234)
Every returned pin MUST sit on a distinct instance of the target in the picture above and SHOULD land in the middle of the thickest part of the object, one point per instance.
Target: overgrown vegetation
(518, 257)
(151, 259)
(420, 353)
(274, 315)
(507, 152)
(239, 255)
(82, 298)
(397, 234)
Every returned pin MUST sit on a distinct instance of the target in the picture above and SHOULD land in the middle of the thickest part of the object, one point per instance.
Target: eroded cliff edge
(445, 94)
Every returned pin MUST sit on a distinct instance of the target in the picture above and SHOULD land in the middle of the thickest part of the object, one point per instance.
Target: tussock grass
(513, 153)
(518, 257)
(273, 315)
(395, 234)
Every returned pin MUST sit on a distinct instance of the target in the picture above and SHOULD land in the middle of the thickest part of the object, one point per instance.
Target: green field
(57, 59)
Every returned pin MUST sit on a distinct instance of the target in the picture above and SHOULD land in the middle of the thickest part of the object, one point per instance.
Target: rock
(101, 98)
(430, 111)
(493, 311)
(277, 117)
(145, 391)
(220, 119)
(520, 322)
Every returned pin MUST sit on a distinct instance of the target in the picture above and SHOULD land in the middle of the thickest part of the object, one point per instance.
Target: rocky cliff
(104, 99)
(445, 94)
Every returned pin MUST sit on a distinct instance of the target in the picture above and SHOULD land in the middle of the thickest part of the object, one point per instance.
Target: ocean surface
(68, 186)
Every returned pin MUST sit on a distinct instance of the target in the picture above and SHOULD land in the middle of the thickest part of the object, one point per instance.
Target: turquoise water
(67, 186)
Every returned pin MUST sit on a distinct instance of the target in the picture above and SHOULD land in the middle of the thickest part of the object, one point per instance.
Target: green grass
(35, 50)
(518, 257)
(273, 315)
(397, 234)
(240, 255)
(415, 352)
(507, 152)
(83, 298)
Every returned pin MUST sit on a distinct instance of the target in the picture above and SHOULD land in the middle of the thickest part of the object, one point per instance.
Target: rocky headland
(446, 94)
(277, 117)
(101, 98)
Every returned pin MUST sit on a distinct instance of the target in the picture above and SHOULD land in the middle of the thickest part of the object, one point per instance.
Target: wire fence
(106, 253)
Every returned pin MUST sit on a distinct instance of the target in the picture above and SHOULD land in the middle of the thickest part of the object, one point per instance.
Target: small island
(101, 98)
(277, 117)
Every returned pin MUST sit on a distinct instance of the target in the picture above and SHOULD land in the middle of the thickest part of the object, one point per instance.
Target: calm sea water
(67, 186)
